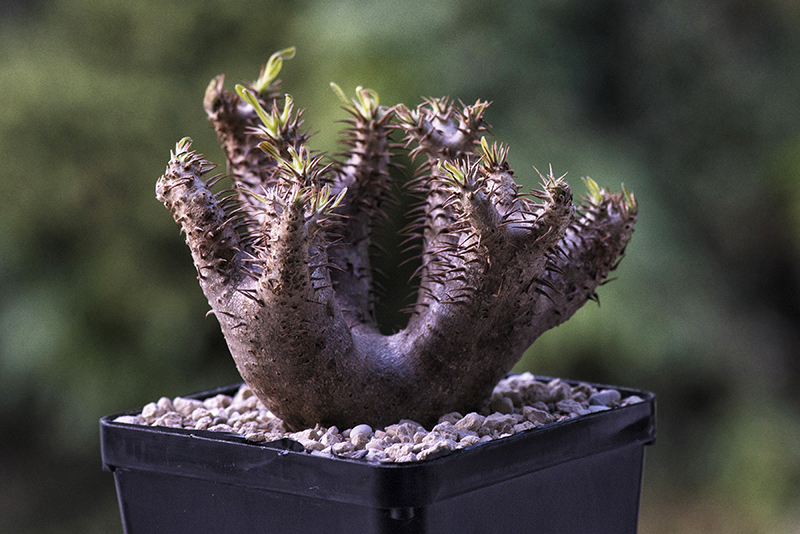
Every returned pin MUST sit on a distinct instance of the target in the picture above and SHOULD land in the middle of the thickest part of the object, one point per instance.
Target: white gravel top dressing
(518, 403)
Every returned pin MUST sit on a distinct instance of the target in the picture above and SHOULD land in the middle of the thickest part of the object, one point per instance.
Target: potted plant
(283, 259)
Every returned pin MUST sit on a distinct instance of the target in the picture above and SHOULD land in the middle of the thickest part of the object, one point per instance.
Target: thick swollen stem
(591, 248)
(210, 234)
(240, 132)
(365, 175)
(235, 123)
(284, 261)
(442, 133)
(277, 312)
(487, 277)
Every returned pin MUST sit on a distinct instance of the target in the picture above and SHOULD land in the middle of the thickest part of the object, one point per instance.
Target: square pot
(579, 475)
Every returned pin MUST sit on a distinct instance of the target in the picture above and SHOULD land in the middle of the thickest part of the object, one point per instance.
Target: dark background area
(695, 106)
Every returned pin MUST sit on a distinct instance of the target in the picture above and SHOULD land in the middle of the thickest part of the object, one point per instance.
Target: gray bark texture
(283, 257)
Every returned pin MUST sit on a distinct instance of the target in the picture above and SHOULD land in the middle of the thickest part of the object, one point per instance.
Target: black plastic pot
(581, 475)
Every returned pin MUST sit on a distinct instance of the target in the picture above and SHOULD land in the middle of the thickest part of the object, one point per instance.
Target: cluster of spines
(468, 198)
(364, 166)
(442, 132)
(281, 203)
(472, 212)
(213, 237)
(248, 117)
(593, 246)
(363, 169)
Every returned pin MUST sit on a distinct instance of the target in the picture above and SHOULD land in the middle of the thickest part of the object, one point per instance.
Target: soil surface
(518, 403)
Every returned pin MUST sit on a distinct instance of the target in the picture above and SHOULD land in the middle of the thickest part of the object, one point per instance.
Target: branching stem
(284, 261)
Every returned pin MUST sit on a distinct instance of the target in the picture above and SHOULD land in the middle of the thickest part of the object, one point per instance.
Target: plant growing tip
(300, 162)
(324, 203)
(457, 174)
(630, 200)
(273, 122)
(183, 146)
(270, 71)
(250, 97)
(253, 194)
(365, 104)
(340, 94)
(595, 193)
(496, 155)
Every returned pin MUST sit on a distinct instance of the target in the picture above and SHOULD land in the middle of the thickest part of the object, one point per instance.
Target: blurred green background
(695, 106)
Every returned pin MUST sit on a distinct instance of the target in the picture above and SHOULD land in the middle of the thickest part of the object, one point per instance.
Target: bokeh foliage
(693, 105)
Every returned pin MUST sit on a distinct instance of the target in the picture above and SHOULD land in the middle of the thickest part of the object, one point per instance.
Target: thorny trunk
(284, 260)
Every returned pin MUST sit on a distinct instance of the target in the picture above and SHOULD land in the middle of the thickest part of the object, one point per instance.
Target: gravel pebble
(203, 423)
(342, 447)
(571, 407)
(559, 390)
(439, 448)
(518, 403)
(398, 450)
(523, 426)
(538, 415)
(255, 436)
(472, 421)
(331, 437)
(152, 410)
(502, 405)
(452, 418)
(359, 441)
(128, 419)
(217, 402)
(171, 419)
(444, 430)
(186, 406)
(165, 404)
(633, 399)
(365, 430)
(468, 441)
(498, 423)
(606, 397)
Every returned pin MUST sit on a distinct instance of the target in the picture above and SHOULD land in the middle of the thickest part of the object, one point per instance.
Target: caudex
(283, 256)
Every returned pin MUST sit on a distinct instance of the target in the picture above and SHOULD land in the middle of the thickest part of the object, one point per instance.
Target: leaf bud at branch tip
(271, 70)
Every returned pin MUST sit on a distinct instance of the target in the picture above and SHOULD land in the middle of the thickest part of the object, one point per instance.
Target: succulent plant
(283, 256)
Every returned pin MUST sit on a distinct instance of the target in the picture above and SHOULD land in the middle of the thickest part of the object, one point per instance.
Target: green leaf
(287, 110)
(340, 94)
(258, 197)
(249, 97)
(365, 104)
(338, 199)
(272, 151)
(182, 146)
(630, 199)
(272, 68)
(458, 174)
(595, 193)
